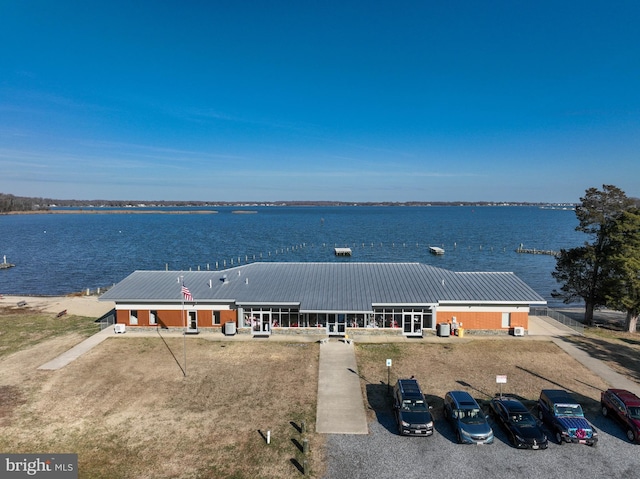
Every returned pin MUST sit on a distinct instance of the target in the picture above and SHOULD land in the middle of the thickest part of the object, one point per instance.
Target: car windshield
(414, 405)
(568, 410)
(523, 419)
(470, 416)
(634, 412)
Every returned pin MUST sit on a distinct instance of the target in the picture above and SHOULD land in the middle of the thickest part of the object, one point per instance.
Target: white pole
(184, 332)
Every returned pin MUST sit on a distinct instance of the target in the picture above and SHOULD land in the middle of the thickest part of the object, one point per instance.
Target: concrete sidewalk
(544, 326)
(78, 350)
(340, 408)
(608, 375)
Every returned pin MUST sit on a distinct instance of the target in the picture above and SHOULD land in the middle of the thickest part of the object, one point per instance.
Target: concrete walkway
(608, 375)
(78, 350)
(558, 332)
(544, 326)
(340, 408)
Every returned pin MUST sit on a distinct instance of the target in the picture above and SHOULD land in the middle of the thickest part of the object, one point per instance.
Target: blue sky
(319, 100)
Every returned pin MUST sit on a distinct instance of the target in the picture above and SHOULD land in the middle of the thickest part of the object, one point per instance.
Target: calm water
(59, 254)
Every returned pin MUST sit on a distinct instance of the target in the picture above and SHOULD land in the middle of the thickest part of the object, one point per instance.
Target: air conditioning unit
(518, 331)
(119, 328)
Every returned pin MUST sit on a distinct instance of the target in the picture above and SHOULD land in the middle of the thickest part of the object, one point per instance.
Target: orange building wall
(484, 319)
(175, 318)
(228, 315)
(205, 318)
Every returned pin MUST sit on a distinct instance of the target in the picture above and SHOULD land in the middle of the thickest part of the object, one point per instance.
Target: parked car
(624, 406)
(565, 418)
(524, 429)
(467, 419)
(411, 409)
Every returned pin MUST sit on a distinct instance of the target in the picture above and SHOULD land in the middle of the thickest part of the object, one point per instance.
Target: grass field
(127, 410)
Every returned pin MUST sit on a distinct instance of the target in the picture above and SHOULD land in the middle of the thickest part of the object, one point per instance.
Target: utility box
(444, 329)
(230, 328)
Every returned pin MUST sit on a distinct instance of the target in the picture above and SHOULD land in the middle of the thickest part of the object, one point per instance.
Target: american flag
(186, 294)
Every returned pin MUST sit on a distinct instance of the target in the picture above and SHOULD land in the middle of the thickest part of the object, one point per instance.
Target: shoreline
(108, 212)
(77, 305)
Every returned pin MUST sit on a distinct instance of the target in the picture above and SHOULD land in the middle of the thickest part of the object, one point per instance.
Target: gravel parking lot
(383, 454)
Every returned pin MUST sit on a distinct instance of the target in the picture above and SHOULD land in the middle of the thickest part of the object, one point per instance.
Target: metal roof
(326, 286)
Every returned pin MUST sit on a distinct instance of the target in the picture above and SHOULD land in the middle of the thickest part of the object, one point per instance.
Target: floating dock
(342, 251)
(537, 251)
(436, 250)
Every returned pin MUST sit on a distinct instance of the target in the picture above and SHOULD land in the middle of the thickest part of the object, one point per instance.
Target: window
(153, 318)
(133, 317)
(215, 317)
(279, 317)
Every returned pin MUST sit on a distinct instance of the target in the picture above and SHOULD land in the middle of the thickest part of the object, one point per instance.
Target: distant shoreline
(128, 211)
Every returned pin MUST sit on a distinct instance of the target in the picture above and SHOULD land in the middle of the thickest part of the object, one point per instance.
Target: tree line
(10, 203)
(605, 270)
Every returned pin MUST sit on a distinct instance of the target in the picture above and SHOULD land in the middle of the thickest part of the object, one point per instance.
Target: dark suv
(625, 407)
(565, 418)
(411, 409)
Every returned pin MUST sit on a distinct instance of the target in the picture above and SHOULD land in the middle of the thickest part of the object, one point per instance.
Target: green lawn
(23, 328)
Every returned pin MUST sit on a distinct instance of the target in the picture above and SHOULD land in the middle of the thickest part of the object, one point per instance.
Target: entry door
(506, 320)
(265, 323)
(261, 323)
(192, 321)
(411, 324)
(336, 324)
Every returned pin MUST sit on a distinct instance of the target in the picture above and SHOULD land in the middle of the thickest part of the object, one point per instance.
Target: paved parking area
(384, 454)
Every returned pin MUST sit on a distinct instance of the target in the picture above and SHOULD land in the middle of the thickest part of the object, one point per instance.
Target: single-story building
(324, 298)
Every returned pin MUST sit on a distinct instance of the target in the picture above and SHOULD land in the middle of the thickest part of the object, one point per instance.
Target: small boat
(436, 250)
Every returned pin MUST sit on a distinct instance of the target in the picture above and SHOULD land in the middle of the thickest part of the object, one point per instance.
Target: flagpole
(184, 331)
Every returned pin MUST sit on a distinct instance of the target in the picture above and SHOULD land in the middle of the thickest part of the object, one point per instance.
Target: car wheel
(559, 438)
(605, 411)
(631, 435)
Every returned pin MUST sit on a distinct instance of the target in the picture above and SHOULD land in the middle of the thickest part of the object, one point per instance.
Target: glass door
(336, 324)
(261, 322)
(266, 323)
(412, 324)
(192, 322)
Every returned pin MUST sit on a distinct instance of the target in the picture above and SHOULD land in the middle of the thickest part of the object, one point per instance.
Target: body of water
(64, 253)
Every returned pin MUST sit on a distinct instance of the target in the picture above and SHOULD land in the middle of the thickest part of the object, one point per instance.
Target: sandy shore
(77, 305)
